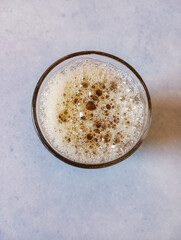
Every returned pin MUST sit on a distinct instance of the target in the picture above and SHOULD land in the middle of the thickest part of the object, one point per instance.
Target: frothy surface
(91, 112)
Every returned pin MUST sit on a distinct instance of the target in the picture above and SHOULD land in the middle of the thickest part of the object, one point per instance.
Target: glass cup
(105, 57)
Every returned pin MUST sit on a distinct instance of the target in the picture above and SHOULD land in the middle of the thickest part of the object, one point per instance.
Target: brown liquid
(79, 110)
(92, 114)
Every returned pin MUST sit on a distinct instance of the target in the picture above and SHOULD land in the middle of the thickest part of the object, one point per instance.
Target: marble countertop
(44, 198)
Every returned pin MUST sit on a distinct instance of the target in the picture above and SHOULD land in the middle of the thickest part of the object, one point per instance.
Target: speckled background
(43, 198)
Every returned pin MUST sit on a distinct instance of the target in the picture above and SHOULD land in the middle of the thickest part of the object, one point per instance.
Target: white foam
(66, 122)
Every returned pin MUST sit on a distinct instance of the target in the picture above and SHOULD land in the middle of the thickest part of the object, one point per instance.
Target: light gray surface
(43, 198)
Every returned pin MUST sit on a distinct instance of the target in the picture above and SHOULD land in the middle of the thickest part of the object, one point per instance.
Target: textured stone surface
(44, 198)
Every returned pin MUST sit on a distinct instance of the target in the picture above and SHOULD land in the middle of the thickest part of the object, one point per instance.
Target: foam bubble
(92, 112)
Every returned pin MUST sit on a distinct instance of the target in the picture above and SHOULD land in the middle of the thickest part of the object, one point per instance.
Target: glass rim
(51, 149)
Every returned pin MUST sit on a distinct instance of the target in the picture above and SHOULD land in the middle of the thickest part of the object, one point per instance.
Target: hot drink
(92, 112)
